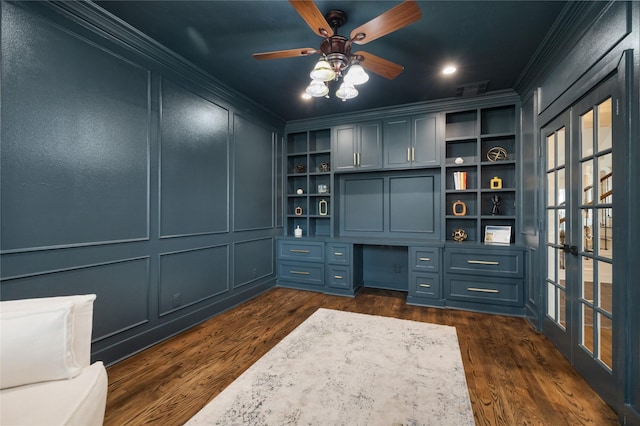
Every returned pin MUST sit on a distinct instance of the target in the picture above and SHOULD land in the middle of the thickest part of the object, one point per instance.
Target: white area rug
(341, 368)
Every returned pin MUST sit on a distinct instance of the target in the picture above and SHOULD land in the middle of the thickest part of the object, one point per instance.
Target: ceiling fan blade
(308, 10)
(290, 53)
(378, 65)
(393, 19)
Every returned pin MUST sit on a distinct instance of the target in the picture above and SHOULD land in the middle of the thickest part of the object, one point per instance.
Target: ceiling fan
(336, 49)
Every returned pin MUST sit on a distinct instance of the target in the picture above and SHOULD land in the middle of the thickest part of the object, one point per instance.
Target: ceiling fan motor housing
(335, 48)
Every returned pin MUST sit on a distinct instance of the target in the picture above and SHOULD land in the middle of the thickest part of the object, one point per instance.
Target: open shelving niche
(469, 135)
(309, 149)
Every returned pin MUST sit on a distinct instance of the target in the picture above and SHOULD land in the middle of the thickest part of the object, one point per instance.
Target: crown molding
(100, 22)
(489, 100)
(572, 23)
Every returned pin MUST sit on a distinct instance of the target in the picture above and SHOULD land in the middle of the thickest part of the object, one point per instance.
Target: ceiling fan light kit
(336, 49)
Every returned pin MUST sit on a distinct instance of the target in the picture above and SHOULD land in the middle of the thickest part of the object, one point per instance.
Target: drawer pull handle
(300, 272)
(299, 251)
(337, 254)
(482, 262)
(425, 259)
(425, 285)
(483, 290)
(338, 277)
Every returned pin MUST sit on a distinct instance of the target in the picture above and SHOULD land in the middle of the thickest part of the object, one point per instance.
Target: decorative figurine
(495, 210)
(300, 191)
(323, 207)
(300, 168)
(324, 167)
(459, 208)
(497, 153)
(459, 160)
(298, 211)
(459, 235)
(495, 183)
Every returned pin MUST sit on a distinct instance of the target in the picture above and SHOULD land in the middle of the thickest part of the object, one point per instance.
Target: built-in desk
(433, 273)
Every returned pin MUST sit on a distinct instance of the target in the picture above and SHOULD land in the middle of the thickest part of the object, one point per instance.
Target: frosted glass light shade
(356, 75)
(322, 71)
(346, 91)
(317, 89)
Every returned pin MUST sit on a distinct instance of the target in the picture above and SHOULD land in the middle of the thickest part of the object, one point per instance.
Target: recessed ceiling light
(450, 69)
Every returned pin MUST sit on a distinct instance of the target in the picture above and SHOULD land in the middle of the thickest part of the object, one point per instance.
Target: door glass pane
(551, 301)
(562, 225)
(562, 308)
(551, 264)
(605, 326)
(605, 233)
(560, 144)
(586, 134)
(587, 230)
(551, 151)
(551, 226)
(587, 182)
(551, 189)
(605, 179)
(587, 327)
(561, 188)
(604, 125)
(587, 279)
(605, 286)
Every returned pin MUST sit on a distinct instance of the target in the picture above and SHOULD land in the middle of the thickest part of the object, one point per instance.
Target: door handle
(570, 249)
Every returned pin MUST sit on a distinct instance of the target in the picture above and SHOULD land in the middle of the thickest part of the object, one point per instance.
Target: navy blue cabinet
(357, 147)
(411, 142)
(485, 278)
(425, 283)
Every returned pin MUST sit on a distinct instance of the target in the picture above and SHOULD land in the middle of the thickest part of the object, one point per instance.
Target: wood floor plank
(515, 376)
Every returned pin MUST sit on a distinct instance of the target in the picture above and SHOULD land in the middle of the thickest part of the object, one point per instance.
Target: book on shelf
(460, 180)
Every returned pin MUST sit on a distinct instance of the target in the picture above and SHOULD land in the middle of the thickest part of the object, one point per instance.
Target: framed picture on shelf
(500, 235)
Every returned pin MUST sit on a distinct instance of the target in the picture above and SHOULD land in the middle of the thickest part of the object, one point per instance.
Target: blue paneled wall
(128, 178)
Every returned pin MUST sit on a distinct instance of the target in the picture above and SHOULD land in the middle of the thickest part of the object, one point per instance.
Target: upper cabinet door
(411, 142)
(357, 147)
(369, 156)
(425, 149)
(397, 143)
(344, 147)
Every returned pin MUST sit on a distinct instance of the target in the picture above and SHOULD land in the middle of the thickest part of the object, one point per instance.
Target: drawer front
(425, 285)
(495, 291)
(339, 277)
(307, 251)
(339, 254)
(425, 259)
(491, 263)
(309, 273)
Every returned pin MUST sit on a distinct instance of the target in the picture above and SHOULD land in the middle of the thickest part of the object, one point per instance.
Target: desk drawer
(339, 276)
(424, 259)
(425, 285)
(339, 253)
(485, 262)
(299, 250)
(495, 291)
(309, 273)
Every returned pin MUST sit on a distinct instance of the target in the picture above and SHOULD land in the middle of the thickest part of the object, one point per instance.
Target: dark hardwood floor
(515, 375)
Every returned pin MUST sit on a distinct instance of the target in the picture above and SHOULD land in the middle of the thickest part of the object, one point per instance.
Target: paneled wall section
(127, 179)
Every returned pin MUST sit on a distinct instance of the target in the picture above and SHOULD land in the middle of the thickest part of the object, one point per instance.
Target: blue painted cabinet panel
(357, 147)
(362, 205)
(411, 142)
(411, 206)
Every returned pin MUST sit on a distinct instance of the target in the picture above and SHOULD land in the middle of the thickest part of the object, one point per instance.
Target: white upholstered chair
(45, 373)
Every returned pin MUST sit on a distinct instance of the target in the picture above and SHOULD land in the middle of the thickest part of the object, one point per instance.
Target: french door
(579, 312)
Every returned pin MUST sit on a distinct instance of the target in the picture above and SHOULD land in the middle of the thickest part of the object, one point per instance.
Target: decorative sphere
(299, 191)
